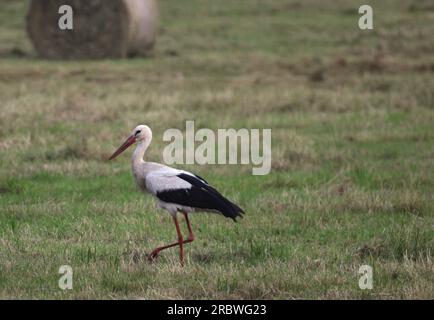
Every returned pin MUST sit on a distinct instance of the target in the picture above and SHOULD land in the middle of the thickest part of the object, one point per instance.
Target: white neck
(139, 153)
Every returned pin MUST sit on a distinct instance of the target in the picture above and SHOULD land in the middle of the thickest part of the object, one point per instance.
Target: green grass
(352, 178)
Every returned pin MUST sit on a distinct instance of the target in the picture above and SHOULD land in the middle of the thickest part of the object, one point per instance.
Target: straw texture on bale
(101, 28)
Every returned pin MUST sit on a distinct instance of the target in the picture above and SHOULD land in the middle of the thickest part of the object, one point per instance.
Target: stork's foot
(153, 255)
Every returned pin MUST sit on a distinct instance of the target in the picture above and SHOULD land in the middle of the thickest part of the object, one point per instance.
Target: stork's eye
(137, 132)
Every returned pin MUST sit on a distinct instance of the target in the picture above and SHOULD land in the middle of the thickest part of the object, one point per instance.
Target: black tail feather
(234, 210)
(220, 203)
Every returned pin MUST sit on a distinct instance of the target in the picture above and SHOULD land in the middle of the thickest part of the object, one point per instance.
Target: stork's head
(140, 133)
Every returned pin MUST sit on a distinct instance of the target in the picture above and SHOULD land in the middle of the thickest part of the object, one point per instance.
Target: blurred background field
(352, 119)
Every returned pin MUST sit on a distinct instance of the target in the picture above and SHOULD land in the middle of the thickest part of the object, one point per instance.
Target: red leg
(190, 232)
(180, 242)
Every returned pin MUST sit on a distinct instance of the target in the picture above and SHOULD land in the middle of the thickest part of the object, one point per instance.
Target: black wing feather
(202, 196)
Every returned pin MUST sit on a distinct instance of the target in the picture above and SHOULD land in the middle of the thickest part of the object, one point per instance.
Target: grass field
(352, 180)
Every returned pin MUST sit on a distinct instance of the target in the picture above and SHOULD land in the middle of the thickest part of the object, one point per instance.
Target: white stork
(175, 190)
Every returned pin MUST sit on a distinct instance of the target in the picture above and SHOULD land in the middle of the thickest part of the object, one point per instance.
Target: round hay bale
(101, 28)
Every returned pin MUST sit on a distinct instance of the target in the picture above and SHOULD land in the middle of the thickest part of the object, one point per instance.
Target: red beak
(123, 147)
